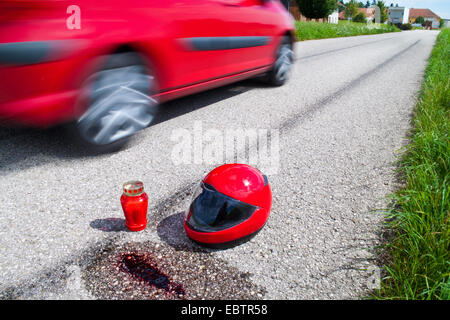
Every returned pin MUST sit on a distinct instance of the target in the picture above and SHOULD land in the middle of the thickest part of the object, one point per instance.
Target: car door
(196, 29)
(210, 39)
(252, 28)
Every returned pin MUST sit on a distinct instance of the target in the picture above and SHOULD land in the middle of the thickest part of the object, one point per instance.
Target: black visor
(213, 211)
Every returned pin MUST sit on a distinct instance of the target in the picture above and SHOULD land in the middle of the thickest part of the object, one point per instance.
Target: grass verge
(418, 265)
(308, 30)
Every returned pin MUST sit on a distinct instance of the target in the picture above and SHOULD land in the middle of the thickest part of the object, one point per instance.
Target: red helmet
(229, 207)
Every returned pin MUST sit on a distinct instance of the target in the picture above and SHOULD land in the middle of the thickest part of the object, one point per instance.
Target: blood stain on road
(143, 268)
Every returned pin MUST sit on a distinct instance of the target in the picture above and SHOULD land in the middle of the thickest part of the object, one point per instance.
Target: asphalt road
(338, 125)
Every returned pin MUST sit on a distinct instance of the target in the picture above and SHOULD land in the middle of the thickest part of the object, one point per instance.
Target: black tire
(279, 73)
(118, 104)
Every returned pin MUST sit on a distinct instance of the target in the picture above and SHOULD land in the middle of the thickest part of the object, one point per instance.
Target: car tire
(117, 102)
(279, 73)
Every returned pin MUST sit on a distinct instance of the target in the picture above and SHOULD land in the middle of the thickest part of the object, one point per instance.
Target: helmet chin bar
(229, 244)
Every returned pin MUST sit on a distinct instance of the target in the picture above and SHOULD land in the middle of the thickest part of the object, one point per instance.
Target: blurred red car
(102, 67)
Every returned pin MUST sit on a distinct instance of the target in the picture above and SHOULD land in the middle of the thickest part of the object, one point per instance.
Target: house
(398, 15)
(446, 23)
(427, 14)
(334, 17)
(368, 12)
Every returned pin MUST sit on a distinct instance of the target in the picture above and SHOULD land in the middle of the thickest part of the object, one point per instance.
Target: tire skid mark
(310, 110)
(340, 49)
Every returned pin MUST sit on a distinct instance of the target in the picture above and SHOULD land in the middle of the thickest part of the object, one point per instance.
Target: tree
(367, 4)
(360, 17)
(351, 9)
(383, 11)
(360, 4)
(316, 9)
(420, 20)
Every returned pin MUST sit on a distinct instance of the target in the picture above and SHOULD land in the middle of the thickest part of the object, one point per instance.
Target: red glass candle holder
(134, 204)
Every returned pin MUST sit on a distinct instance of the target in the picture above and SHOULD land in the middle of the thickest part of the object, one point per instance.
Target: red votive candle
(134, 204)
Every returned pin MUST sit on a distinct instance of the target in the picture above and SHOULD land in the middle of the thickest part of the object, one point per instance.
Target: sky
(440, 7)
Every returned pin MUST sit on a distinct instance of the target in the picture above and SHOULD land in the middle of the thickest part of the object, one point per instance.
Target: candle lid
(133, 188)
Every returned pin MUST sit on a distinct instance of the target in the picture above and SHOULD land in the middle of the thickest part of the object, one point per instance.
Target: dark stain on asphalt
(309, 111)
(142, 267)
(340, 49)
(157, 271)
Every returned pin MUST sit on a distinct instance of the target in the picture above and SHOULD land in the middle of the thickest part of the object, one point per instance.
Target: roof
(369, 12)
(426, 13)
(397, 8)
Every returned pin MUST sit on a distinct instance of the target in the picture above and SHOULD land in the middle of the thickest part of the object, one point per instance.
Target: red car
(102, 67)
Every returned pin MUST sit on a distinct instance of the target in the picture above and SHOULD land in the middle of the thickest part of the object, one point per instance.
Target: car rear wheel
(279, 73)
(120, 103)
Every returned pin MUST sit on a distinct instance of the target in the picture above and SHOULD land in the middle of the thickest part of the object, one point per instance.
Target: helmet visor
(212, 211)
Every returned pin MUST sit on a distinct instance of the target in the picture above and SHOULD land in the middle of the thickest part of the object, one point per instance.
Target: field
(317, 30)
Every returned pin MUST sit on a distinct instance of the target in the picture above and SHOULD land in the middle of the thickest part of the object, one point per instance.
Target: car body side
(191, 45)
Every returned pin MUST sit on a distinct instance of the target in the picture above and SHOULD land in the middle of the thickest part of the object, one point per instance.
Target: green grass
(317, 30)
(418, 263)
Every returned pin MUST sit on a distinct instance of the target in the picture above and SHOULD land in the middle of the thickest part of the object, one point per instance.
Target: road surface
(336, 128)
